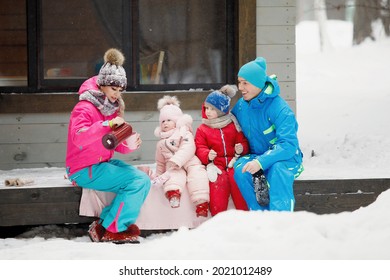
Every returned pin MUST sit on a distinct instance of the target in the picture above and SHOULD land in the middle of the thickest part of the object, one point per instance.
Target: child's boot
(260, 185)
(202, 209)
(174, 198)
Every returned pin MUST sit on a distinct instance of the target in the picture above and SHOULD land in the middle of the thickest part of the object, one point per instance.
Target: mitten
(159, 181)
(212, 172)
(18, 182)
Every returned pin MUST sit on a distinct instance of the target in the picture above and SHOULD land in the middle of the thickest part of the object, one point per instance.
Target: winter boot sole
(261, 189)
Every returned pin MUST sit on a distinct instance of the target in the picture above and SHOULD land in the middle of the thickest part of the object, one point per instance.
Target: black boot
(260, 185)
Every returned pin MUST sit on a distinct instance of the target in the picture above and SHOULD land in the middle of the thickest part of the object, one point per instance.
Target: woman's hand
(115, 122)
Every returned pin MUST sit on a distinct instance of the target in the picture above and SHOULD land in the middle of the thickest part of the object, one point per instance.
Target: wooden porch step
(60, 204)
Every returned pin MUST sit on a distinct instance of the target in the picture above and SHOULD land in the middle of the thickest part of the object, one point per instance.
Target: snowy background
(343, 96)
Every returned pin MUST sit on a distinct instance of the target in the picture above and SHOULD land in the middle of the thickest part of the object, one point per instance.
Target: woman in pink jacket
(175, 156)
(90, 165)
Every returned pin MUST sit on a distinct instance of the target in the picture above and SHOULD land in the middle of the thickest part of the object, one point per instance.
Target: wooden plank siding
(275, 40)
(33, 140)
(60, 204)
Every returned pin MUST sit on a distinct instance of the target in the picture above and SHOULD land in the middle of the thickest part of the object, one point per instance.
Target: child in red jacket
(219, 141)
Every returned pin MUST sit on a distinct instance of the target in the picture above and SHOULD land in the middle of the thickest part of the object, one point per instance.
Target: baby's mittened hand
(238, 148)
(160, 180)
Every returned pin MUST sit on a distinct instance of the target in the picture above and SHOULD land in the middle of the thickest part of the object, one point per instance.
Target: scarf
(222, 121)
(167, 134)
(99, 99)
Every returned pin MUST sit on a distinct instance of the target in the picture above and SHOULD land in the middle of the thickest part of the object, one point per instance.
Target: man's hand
(251, 167)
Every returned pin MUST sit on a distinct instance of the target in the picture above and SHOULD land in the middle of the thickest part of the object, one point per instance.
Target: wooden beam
(246, 31)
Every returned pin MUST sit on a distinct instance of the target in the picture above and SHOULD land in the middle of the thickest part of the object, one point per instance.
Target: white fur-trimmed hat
(169, 107)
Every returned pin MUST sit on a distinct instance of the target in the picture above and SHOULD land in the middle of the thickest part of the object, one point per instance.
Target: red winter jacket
(220, 140)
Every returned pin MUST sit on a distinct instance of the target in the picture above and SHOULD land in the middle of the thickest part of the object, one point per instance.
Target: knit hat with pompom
(220, 100)
(255, 72)
(112, 73)
(169, 107)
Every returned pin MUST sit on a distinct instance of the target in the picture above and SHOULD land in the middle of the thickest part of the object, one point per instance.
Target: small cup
(132, 141)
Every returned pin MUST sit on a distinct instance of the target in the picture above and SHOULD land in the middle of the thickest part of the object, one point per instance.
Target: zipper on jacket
(224, 146)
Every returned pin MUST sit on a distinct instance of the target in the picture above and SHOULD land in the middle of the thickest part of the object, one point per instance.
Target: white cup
(132, 141)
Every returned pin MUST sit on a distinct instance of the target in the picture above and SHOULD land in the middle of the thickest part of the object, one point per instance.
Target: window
(168, 44)
(13, 43)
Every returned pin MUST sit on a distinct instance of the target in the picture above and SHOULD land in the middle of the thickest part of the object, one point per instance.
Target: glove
(238, 148)
(18, 182)
(115, 122)
(212, 172)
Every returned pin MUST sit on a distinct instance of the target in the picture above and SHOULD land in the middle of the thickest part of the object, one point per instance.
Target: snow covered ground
(343, 97)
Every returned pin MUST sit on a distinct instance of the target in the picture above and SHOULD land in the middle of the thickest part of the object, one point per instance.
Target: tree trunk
(366, 12)
(320, 13)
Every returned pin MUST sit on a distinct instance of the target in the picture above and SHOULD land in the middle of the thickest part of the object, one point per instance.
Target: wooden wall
(275, 41)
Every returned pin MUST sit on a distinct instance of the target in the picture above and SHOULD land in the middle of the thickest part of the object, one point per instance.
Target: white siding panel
(275, 35)
(276, 3)
(275, 16)
(277, 53)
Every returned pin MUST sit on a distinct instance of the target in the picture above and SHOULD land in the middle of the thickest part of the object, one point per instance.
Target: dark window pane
(75, 35)
(13, 43)
(190, 35)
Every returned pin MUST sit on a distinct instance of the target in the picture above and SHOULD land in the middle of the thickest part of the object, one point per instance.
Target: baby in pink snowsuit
(175, 156)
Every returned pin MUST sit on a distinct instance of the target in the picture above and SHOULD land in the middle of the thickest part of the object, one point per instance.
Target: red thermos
(118, 135)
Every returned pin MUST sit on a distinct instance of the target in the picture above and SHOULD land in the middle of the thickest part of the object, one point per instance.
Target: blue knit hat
(220, 101)
(254, 72)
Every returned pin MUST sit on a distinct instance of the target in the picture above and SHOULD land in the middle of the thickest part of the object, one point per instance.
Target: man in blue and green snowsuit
(270, 126)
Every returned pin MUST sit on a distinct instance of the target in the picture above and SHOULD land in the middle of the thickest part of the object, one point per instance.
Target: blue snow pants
(280, 177)
(130, 185)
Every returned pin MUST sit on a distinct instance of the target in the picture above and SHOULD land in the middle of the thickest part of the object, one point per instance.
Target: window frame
(35, 76)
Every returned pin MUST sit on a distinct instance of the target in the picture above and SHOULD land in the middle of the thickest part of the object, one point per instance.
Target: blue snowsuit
(270, 126)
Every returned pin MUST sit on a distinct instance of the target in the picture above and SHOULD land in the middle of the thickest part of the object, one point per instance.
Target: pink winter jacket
(85, 132)
(178, 146)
